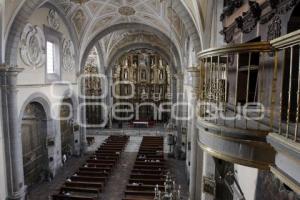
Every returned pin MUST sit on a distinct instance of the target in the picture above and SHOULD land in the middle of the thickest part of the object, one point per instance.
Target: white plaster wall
(32, 81)
(247, 178)
(53, 124)
(37, 76)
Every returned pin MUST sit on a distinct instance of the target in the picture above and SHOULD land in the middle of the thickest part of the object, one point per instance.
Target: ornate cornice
(248, 21)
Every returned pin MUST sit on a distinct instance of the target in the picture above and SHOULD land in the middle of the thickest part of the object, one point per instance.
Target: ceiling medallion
(126, 10)
(80, 1)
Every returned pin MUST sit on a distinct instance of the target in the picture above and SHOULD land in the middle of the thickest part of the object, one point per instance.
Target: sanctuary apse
(145, 77)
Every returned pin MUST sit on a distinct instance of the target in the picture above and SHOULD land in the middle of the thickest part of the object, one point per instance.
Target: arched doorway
(34, 137)
(66, 127)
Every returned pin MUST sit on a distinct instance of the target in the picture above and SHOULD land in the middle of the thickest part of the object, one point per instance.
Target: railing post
(236, 85)
(290, 92)
(298, 99)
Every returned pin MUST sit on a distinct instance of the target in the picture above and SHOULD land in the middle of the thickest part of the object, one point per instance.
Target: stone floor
(44, 190)
(177, 168)
(116, 185)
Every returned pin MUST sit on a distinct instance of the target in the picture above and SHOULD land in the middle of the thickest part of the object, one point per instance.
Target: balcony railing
(253, 86)
(287, 60)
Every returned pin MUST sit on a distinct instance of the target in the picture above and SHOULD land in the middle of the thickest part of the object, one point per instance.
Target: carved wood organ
(145, 77)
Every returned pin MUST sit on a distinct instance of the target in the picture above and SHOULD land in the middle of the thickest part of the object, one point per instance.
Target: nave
(115, 168)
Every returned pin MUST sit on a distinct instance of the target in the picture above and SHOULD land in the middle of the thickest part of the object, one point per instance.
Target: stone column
(179, 83)
(83, 122)
(82, 116)
(209, 168)
(109, 99)
(12, 135)
(195, 73)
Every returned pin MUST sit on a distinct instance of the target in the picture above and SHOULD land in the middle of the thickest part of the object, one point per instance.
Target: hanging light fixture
(79, 1)
(171, 191)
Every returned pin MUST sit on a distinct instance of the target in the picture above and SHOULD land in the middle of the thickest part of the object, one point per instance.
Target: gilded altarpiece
(150, 75)
(92, 92)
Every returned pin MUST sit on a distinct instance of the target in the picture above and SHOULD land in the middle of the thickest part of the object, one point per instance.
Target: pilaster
(12, 134)
(195, 73)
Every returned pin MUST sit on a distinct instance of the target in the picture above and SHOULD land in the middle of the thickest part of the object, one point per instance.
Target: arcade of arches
(149, 99)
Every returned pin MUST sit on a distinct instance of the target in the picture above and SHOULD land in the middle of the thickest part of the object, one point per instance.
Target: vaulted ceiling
(97, 15)
(174, 21)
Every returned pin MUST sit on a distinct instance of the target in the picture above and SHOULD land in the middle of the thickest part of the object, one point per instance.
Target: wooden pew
(71, 197)
(89, 179)
(88, 182)
(147, 172)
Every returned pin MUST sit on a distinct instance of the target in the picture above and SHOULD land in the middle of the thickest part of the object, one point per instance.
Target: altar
(140, 124)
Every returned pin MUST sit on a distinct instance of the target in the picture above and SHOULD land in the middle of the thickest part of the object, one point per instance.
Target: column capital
(10, 69)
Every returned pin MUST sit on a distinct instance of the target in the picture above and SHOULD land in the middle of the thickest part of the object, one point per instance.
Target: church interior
(149, 99)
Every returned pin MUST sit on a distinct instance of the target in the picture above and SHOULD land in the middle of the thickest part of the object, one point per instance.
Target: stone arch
(39, 98)
(187, 20)
(71, 95)
(128, 26)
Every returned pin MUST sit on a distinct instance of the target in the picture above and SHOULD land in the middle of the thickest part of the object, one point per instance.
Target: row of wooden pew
(149, 170)
(89, 181)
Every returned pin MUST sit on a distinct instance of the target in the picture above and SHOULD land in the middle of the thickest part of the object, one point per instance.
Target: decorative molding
(286, 179)
(273, 3)
(267, 17)
(286, 6)
(228, 33)
(209, 185)
(79, 20)
(68, 55)
(53, 19)
(249, 20)
(232, 159)
(274, 28)
(127, 11)
(32, 46)
(230, 7)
